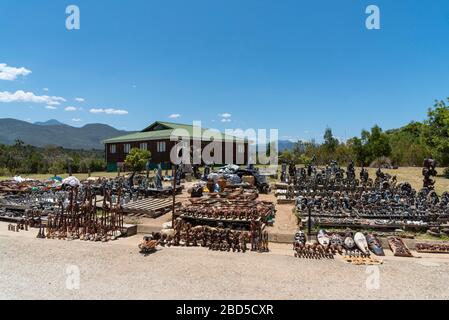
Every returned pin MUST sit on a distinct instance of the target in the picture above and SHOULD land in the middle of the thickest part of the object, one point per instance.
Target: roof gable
(163, 130)
(157, 126)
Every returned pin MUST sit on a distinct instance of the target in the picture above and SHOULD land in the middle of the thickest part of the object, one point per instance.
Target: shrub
(381, 162)
(446, 173)
(4, 172)
(305, 160)
(57, 168)
(137, 159)
(84, 166)
(97, 165)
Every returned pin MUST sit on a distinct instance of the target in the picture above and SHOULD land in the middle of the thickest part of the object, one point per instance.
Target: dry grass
(413, 175)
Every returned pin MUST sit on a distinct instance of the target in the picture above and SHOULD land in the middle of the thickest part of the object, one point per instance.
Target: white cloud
(51, 107)
(290, 138)
(70, 109)
(80, 99)
(46, 89)
(225, 115)
(22, 96)
(174, 116)
(109, 111)
(10, 73)
(76, 120)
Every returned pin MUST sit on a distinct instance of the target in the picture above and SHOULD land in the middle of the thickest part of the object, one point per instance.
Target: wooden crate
(150, 207)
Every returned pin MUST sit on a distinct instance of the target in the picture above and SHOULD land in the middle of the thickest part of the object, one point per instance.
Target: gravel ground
(33, 268)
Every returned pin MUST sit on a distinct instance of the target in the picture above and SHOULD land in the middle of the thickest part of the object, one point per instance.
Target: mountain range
(51, 122)
(285, 145)
(55, 133)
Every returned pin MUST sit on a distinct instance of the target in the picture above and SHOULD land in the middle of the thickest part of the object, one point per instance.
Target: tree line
(406, 146)
(25, 159)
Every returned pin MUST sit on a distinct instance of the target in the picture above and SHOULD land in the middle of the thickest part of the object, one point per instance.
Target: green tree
(330, 143)
(357, 147)
(370, 146)
(436, 131)
(96, 165)
(304, 160)
(407, 145)
(35, 162)
(378, 143)
(137, 159)
(57, 168)
(299, 148)
(287, 156)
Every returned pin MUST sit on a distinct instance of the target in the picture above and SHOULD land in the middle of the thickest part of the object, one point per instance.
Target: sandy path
(32, 268)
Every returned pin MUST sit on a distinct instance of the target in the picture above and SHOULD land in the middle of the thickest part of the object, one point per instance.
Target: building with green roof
(160, 137)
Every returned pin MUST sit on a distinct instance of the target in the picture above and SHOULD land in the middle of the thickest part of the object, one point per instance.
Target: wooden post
(174, 197)
(309, 223)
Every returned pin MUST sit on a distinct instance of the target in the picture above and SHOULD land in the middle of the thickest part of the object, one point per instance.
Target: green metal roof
(187, 131)
(168, 125)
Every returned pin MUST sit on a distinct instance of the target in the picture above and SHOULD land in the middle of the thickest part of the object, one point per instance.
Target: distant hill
(285, 145)
(282, 146)
(55, 133)
(51, 122)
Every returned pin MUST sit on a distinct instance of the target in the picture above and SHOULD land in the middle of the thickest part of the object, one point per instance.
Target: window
(161, 146)
(112, 148)
(126, 148)
(241, 148)
(144, 146)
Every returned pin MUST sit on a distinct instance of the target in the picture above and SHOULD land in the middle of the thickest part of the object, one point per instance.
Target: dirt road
(32, 268)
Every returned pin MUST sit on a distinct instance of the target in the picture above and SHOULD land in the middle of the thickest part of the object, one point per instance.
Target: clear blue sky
(294, 65)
